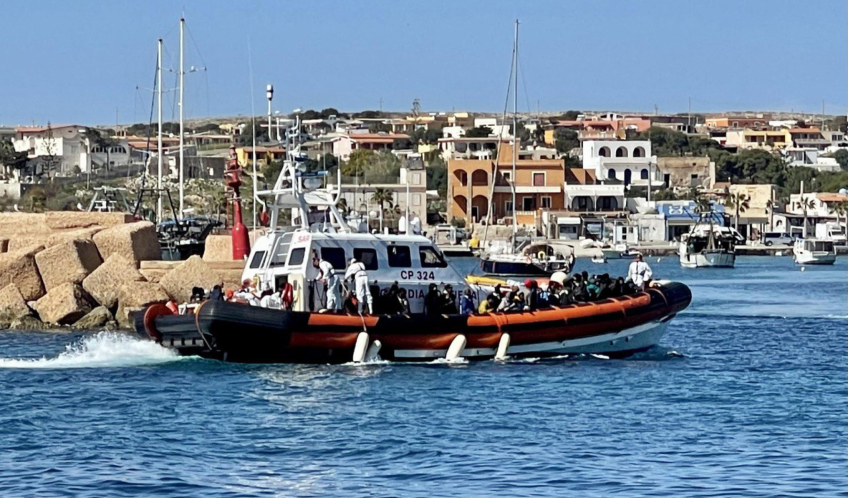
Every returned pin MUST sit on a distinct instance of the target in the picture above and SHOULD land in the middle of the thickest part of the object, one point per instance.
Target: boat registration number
(417, 275)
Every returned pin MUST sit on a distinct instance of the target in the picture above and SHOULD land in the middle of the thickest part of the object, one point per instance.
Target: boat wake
(103, 350)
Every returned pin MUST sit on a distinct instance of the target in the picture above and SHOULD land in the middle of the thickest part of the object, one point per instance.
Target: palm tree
(770, 211)
(805, 204)
(383, 196)
(739, 202)
(841, 209)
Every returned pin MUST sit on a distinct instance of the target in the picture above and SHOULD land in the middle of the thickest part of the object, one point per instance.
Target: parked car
(771, 238)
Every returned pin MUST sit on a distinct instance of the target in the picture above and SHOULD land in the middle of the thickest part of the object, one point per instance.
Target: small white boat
(599, 260)
(814, 252)
(708, 245)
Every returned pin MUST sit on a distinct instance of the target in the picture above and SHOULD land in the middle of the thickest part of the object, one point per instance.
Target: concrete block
(67, 262)
(61, 220)
(19, 268)
(218, 248)
(193, 272)
(63, 305)
(95, 319)
(12, 303)
(134, 241)
(134, 296)
(104, 284)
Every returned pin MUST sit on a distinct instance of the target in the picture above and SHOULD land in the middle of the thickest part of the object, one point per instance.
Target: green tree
(10, 159)
(479, 132)
(663, 195)
(841, 157)
(357, 163)
(246, 135)
(565, 140)
(382, 197)
(379, 127)
(330, 111)
(437, 176)
(805, 204)
(738, 202)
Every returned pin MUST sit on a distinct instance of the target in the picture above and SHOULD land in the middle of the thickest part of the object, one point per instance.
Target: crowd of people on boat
(560, 290)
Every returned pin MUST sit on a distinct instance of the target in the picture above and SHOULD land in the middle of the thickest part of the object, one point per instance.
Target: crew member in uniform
(329, 277)
(639, 273)
(356, 271)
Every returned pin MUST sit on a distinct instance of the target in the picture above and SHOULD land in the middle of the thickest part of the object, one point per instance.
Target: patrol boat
(301, 331)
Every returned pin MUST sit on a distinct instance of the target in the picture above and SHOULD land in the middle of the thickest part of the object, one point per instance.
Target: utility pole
(159, 133)
(182, 133)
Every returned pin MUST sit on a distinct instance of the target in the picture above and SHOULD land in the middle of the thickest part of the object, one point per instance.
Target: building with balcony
(462, 147)
(758, 139)
(627, 161)
(729, 122)
(344, 144)
(471, 182)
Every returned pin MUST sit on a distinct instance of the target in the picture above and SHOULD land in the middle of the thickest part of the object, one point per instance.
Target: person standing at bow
(356, 271)
(639, 273)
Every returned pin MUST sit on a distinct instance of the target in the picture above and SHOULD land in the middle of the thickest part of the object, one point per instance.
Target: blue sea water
(746, 397)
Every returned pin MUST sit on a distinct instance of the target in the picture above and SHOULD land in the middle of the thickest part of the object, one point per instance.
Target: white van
(771, 238)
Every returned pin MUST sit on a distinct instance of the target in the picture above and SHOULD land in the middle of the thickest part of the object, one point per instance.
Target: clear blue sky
(79, 61)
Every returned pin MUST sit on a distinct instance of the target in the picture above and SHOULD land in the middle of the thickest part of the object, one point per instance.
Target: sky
(93, 62)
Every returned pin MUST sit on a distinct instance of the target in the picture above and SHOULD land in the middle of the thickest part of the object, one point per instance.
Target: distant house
(62, 149)
(679, 173)
(344, 144)
(733, 122)
(627, 161)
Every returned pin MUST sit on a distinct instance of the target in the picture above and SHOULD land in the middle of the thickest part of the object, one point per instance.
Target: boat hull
(708, 260)
(814, 259)
(241, 333)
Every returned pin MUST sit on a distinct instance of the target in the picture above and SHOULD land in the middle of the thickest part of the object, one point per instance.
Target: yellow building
(759, 139)
(264, 155)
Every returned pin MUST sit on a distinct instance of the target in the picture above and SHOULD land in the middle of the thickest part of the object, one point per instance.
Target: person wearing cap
(356, 271)
(433, 300)
(449, 300)
(331, 280)
(639, 273)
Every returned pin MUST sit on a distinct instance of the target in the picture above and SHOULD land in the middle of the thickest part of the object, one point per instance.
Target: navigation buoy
(503, 346)
(456, 347)
(361, 347)
(373, 351)
(803, 268)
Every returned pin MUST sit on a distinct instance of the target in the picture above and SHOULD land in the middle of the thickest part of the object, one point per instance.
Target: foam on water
(105, 349)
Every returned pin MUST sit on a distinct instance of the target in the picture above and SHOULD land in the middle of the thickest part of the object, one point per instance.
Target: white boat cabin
(414, 262)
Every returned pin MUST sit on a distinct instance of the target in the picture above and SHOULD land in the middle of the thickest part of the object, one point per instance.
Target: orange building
(538, 185)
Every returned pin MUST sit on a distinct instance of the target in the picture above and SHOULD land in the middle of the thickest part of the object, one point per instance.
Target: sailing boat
(512, 259)
(708, 245)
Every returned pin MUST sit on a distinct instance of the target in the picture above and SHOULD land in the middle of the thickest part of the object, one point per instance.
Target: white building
(627, 161)
(62, 149)
(811, 158)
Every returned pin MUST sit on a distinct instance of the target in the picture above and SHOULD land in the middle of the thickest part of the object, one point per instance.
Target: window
(611, 174)
(416, 199)
(367, 257)
(399, 256)
(335, 256)
(643, 174)
(538, 179)
(281, 251)
(430, 258)
(529, 203)
(546, 202)
(256, 261)
(296, 256)
(621, 152)
(508, 207)
(416, 178)
(638, 152)
(507, 175)
(604, 152)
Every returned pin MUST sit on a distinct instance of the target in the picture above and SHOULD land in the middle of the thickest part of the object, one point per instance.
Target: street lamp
(269, 93)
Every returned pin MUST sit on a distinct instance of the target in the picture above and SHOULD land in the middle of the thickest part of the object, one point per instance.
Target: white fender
(361, 347)
(503, 345)
(456, 347)
(373, 350)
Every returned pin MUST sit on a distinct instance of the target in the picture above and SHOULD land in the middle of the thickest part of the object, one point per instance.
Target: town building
(627, 161)
(345, 144)
(58, 150)
(758, 139)
(265, 154)
(735, 122)
(683, 173)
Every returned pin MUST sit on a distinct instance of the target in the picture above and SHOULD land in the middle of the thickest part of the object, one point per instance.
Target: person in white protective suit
(329, 277)
(356, 271)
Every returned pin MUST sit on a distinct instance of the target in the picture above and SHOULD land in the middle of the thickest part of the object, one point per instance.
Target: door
(627, 176)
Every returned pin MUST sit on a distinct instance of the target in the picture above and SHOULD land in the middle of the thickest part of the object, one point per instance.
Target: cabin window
(256, 262)
(281, 252)
(296, 257)
(430, 258)
(367, 257)
(335, 256)
(399, 256)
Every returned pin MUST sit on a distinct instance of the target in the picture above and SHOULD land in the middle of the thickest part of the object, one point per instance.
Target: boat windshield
(819, 245)
(281, 250)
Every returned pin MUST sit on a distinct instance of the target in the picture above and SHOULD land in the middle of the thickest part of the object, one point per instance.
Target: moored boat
(814, 252)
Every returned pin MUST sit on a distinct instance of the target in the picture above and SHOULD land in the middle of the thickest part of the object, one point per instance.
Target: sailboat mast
(514, 131)
(182, 87)
(159, 132)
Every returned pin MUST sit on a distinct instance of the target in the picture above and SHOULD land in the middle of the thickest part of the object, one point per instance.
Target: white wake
(105, 349)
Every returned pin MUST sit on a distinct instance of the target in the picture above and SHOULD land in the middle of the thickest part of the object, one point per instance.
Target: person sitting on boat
(496, 296)
(331, 281)
(247, 293)
(514, 300)
(593, 289)
(217, 293)
(448, 304)
(578, 289)
(639, 273)
(531, 301)
(466, 302)
(403, 301)
(488, 305)
(356, 271)
(433, 300)
(270, 299)
(544, 296)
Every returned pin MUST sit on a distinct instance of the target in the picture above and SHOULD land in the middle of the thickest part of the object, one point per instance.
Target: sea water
(746, 396)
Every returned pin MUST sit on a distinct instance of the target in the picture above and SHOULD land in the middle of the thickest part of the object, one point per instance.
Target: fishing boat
(814, 252)
(538, 259)
(708, 245)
